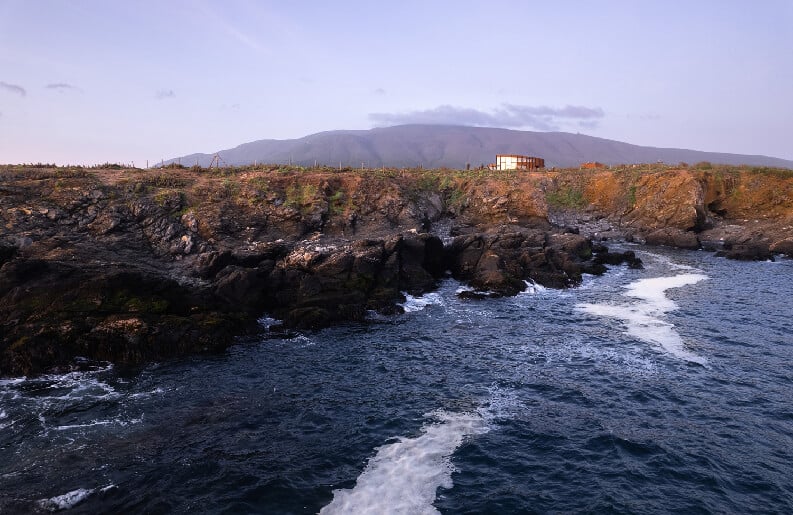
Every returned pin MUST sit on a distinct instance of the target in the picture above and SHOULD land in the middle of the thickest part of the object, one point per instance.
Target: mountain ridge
(454, 146)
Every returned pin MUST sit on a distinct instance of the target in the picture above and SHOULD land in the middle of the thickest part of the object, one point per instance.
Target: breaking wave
(413, 304)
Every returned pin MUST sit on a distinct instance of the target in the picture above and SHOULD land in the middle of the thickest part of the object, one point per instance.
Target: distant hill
(435, 146)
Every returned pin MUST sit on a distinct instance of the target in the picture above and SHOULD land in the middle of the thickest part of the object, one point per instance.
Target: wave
(644, 319)
(533, 288)
(413, 304)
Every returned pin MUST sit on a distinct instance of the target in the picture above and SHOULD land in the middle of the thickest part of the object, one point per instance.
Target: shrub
(565, 197)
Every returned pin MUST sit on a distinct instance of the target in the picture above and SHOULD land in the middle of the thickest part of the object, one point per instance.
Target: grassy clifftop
(303, 199)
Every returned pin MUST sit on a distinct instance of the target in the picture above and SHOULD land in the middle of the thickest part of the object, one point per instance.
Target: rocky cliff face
(742, 213)
(132, 265)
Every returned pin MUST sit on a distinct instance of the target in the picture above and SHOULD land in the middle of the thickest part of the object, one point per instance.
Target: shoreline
(131, 266)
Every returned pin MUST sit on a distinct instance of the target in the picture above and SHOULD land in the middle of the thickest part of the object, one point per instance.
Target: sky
(94, 81)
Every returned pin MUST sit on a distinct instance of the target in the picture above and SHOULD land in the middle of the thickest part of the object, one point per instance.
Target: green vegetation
(125, 300)
(299, 196)
(566, 196)
(262, 184)
(229, 188)
(110, 166)
(457, 198)
(336, 202)
(146, 305)
(162, 180)
(782, 173)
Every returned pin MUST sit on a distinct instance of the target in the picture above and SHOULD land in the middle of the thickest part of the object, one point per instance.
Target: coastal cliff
(131, 265)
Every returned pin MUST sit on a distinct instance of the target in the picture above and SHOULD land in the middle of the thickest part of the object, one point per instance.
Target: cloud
(165, 94)
(13, 88)
(62, 86)
(508, 115)
(379, 91)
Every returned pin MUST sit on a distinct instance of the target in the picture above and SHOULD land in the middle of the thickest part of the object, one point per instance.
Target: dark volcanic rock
(7, 252)
(747, 246)
(315, 286)
(500, 263)
(751, 251)
(784, 246)
(672, 237)
(604, 257)
(51, 312)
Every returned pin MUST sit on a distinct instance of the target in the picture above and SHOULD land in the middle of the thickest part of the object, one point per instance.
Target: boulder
(747, 252)
(605, 257)
(7, 252)
(672, 237)
(784, 246)
(500, 263)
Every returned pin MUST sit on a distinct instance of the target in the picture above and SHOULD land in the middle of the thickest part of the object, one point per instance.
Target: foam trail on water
(644, 320)
(66, 501)
(404, 476)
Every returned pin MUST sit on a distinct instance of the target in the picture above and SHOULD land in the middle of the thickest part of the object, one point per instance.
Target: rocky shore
(130, 266)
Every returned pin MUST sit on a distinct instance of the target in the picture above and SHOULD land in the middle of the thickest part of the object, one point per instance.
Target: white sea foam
(76, 385)
(644, 320)
(267, 322)
(412, 303)
(156, 391)
(3, 416)
(404, 476)
(533, 288)
(299, 340)
(121, 422)
(666, 261)
(66, 501)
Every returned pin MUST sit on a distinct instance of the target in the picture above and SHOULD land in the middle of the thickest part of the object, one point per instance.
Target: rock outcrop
(132, 266)
(745, 212)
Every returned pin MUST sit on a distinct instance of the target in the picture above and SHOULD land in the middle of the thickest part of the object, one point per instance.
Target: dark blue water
(664, 390)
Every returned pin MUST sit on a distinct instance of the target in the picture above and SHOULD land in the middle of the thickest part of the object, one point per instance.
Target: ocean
(663, 390)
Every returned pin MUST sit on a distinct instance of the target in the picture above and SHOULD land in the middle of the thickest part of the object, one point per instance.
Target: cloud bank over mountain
(541, 118)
